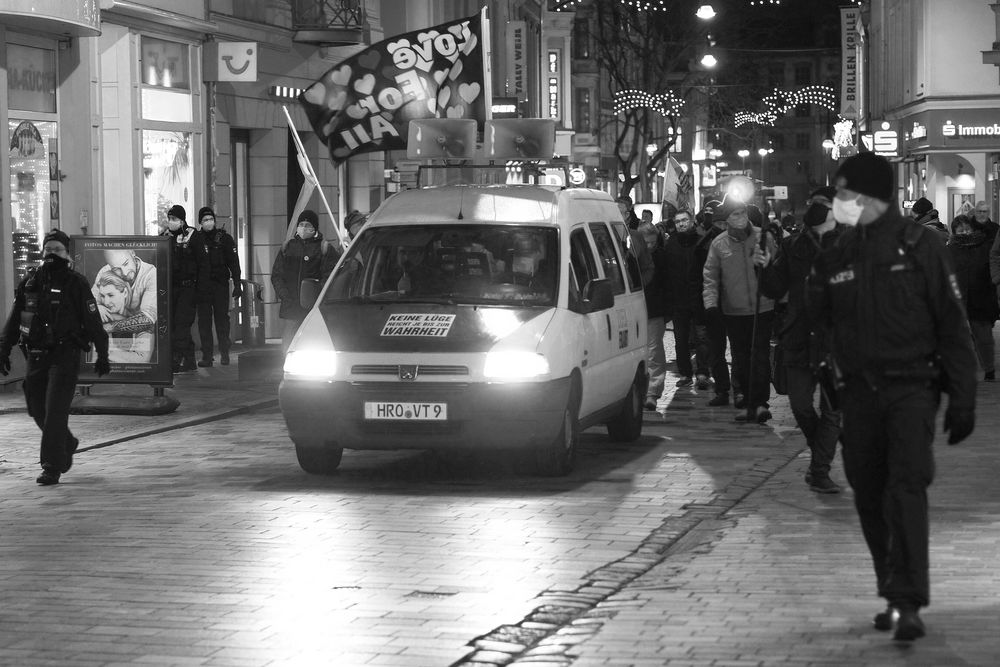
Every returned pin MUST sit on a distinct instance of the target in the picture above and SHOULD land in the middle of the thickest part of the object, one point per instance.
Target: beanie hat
(205, 211)
(816, 214)
(755, 216)
(310, 217)
(922, 206)
(57, 235)
(868, 174)
(828, 193)
(178, 212)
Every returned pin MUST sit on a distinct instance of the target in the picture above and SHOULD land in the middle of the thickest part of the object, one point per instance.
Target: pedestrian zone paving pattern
(697, 545)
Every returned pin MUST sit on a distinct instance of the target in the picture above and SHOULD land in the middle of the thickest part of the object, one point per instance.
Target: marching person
(307, 256)
(188, 272)
(54, 319)
(213, 296)
(787, 274)
(887, 293)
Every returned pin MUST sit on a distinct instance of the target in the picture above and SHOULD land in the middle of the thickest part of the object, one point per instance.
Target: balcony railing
(330, 22)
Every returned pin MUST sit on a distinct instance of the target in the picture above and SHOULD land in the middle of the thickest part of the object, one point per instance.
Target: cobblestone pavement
(205, 544)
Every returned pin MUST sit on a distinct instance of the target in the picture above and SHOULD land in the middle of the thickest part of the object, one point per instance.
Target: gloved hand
(958, 424)
(5, 364)
(102, 366)
(237, 291)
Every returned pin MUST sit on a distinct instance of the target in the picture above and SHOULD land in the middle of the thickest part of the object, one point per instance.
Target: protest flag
(365, 103)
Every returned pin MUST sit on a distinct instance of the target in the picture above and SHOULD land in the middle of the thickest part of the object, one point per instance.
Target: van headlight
(514, 365)
(311, 364)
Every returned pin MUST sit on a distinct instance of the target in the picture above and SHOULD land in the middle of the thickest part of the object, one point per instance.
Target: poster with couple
(129, 277)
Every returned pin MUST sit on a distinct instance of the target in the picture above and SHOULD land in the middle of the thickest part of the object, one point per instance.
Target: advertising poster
(129, 276)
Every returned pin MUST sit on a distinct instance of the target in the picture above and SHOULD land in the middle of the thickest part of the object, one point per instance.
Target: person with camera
(54, 319)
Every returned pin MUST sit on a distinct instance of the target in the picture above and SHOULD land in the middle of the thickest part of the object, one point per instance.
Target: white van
(473, 317)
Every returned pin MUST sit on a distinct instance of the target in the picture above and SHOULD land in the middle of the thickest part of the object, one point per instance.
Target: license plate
(406, 411)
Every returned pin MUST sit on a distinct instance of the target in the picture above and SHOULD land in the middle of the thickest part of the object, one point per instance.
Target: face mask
(306, 231)
(173, 224)
(55, 262)
(207, 224)
(847, 212)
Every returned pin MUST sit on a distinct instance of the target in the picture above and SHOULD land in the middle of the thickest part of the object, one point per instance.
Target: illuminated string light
(646, 5)
(667, 103)
(782, 101)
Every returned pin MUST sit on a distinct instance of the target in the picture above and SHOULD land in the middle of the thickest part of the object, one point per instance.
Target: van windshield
(469, 264)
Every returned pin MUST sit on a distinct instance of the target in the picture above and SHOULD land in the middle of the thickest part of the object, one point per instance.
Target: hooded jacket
(971, 255)
(892, 307)
(932, 221)
(730, 277)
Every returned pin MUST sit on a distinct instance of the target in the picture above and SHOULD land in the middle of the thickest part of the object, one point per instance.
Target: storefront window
(34, 188)
(166, 81)
(31, 78)
(168, 176)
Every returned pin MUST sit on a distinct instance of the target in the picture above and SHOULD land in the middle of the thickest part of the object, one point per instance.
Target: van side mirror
(597, 295)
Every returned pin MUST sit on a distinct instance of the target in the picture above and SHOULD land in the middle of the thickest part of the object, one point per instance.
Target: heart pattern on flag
(370, 60)
(341, 75)
(365, 85)
(455, 111)
(469, 92)
(456, 70)
(315, 94)
(356, 111)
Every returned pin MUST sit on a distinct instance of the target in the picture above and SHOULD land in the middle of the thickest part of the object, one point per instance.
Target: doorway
(240, 191)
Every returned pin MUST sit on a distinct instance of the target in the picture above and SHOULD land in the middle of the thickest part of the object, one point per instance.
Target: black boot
(225, 359)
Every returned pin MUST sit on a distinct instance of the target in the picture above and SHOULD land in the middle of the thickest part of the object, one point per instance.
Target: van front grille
(392, 369)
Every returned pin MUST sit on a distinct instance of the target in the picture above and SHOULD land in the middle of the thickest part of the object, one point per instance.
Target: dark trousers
(182, 314)
(821, 429)
(740, 329)
(49, 385)
(213, 307)
(685, 330)
(888, 460)
(717, 353)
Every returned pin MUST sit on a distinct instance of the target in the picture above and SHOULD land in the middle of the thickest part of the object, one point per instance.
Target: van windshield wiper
(444, 300)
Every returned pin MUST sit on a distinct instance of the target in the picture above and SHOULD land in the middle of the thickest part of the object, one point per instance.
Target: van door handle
(608, 318)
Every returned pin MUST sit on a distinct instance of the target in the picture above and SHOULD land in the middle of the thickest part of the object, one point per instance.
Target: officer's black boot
(224, 358)
(49, 476)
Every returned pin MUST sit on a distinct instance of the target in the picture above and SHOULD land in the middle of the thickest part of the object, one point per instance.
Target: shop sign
(517, 60)
(883, 141)
(950, 129)
(31, 78)
(504, 107)
(849, 20)
(577, 176)
(230, 61)
(918, 132)
(26, 140)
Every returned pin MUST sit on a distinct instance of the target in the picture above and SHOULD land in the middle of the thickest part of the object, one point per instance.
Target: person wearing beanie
(730, 292)
(970, 252)
(214, 292)
(300, 268)
(923, 212)
(785, 276)
(54, 319)
(188, 273)
(887, 298)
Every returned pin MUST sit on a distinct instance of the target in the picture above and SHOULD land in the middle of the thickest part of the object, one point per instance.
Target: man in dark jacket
(308, 259)
(213, 298)
(656, 314)
(970, 251)
(925, 214)
(683, 300)
(982, 216)
(787, 274)
(188, 272)
(887, 294)
(54, 318)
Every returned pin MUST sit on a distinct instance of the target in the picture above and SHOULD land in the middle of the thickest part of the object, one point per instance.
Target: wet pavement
(194, 539)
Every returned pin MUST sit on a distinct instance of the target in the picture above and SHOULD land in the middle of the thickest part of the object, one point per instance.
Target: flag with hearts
(365, 103)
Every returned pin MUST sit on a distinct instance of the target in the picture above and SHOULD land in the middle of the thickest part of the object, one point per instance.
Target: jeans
(755, 381)
(982, 335)
(889, 463)
(821, 429)
(656, 357)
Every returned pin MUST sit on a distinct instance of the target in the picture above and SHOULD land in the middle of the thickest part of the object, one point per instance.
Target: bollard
(252, 314)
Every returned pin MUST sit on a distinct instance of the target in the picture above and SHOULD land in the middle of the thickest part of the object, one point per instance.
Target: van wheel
(558, 458)
(318, 458)
(627, 426)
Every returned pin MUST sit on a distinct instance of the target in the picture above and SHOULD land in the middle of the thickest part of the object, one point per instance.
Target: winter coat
(971, 256)
(683, 281)
(655, 290)
(223, 259)
(298, 260)
(933, 222)
(730, 278)
(188, 257)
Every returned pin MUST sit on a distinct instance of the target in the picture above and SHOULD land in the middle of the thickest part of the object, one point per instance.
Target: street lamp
(743, 155)
(706, 12)
(762, 152)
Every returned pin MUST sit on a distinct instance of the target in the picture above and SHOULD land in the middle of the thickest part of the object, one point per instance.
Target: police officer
(213, 298)
(786, 275)
(887, 293)
(188, 271)
(53, 319)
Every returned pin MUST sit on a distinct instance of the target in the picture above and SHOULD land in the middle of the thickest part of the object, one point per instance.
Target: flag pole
(310, 173)
(487, 63)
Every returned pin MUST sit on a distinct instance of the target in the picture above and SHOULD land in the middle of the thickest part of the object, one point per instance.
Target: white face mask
(847, 212)
(208, 224)
(306, 231)
(173, 224)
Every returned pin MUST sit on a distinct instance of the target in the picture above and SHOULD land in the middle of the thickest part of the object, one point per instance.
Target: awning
(71, 18)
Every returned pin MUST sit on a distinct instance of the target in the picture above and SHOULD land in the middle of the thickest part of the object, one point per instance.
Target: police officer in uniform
(887, 293)
(188, 271)
(54, 318)
(213, 299)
